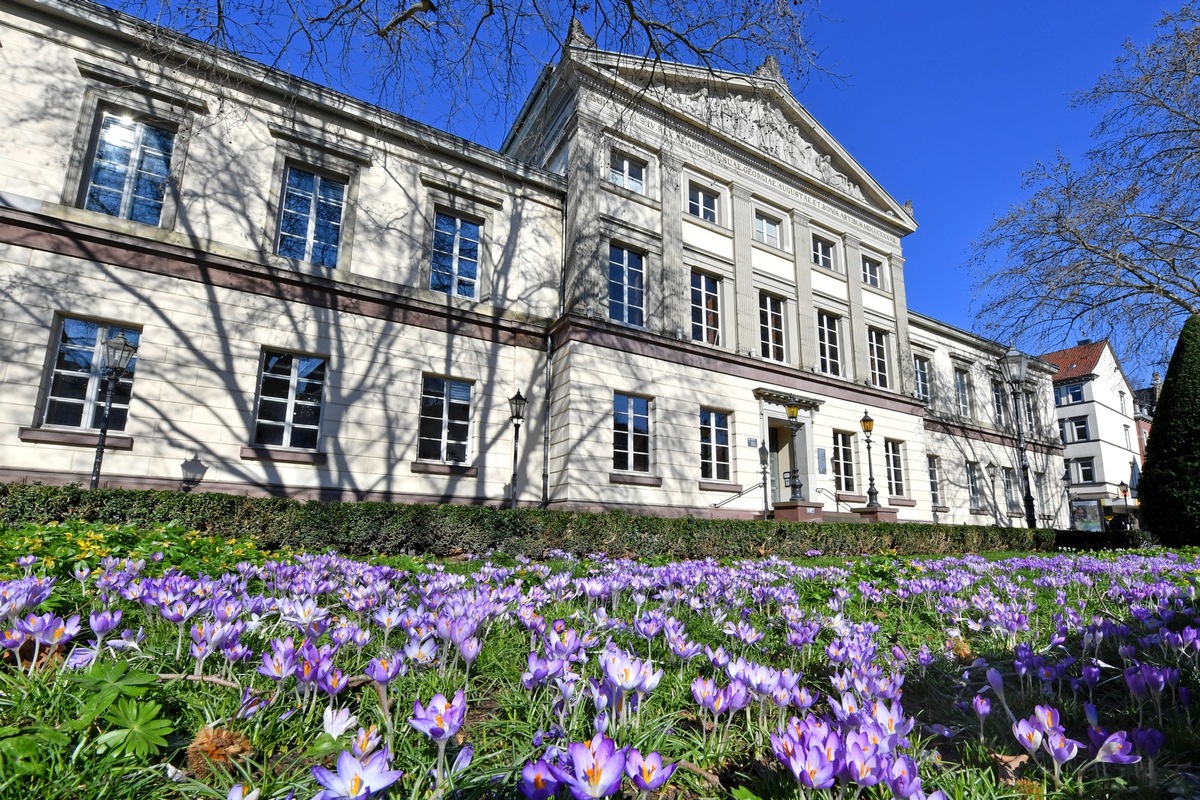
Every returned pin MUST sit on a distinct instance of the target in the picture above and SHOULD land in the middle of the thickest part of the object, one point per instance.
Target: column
(857, 335)
(745, 300)
(903, 371)
(806, 318)
(587, 261)
(670, 293)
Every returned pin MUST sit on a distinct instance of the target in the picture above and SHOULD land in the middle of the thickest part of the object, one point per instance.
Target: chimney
(1082, 342)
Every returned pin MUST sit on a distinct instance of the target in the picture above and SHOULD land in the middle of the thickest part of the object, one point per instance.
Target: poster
(1086, 515)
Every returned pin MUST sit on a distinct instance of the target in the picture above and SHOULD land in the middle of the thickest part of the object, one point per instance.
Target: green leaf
(742, 793)
(138, 729)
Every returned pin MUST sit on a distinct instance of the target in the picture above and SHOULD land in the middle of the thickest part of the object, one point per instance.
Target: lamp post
(118, 352)
(764, 462)
(868, 425)
(793, 414)
(1016, 365)
(516, 405)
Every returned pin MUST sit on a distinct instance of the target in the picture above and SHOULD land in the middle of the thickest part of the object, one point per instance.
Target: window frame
(1000, 403)
(962, 392)
(635, 407)
(922, 389)
(771, 337)
(872, 277)
(716, 445)
(841, 462)
(893, 460)
(446, 420)
(291, 403)
(877, 357)
(1009, 476)
(1068, 394)
(1084, 467)
(1076, 425)
(819, 257)
(459, 219)
(695, 204)
(829, 352)
(621, 177)
(706, 307)
(626, 305)
(974, 494)
(761, 234)
(933, 467)
(320, 178)
(92, 403)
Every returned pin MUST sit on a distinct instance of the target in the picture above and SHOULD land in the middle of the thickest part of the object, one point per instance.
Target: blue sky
(947, 103)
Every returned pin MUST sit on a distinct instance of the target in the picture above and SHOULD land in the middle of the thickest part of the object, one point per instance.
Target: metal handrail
(837, 504)
(731, 498)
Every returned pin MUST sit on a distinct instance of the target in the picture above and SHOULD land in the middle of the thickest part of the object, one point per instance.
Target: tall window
(1000, 403)
(962, 391)
(1128, 441)
(445, 420)
(1010, 489)
(1121, 399)
(627, 171)
(843, 461)
(877, 355)
(893, 452)
(921, 378)
(289, 400)
(631, 433)
(310, 221)
(973, 485)
(1039, 482)
(714, 445)
(822, 252)
(455, 269)
(130, 169)
(827, 343)
(872, 272)
(935, 483)
(702, 203)
(75, 396)
(626, 286)
(1030, 408)
(706, 308)
(770, 327)
(766, 229)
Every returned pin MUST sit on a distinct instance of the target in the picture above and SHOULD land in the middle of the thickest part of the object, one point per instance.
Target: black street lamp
(793, 414)
(516, 406)
(764, 462)
(1016, 365)
(868, 425)
(118, 352)
(1124, 489)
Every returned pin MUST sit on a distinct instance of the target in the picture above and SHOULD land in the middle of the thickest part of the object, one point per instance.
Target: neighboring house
(332, 301)
(1144, 402)
(1097, 421)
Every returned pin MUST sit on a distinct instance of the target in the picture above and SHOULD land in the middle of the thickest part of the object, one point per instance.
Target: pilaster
(858, 325)
(903, 370)
(586, 268)
(746, 303)
(805, 347)
(671, 292)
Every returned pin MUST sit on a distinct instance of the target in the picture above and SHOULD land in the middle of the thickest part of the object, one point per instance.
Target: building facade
(332, 301)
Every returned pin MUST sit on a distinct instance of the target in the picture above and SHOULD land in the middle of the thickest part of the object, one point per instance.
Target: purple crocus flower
(385, 668)
(982, 706)
(355, 778)
(1116, 749)
(596, 768)
(1028, 734)
(647, 773)
(537, 781)
(442, 718)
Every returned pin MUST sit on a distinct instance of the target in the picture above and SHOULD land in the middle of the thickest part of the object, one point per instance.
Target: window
(1068, 394)
(766, 229)
(872, 272)
(1121, 399)
(999, 403)
(702, 203)
(289, 400)
(1128, 442)
(626, 292)
(310, 223)
(1085, 470)
(1077, 429)
(893, 453)
(1030, 417)
(822, 252)
(706, 308)
(1062, 430)
(770, 327)
(877, 350)
(131, 166)
(962, 391)
(445, 428)
(631, 433)
(843, 461)
(714, 445)
(1039, 481)
(627, 171)
(455, 269)
(1010, 489)
(973, 485)
(935, 484)
(921, 378)
(827, 343)
(75, 396)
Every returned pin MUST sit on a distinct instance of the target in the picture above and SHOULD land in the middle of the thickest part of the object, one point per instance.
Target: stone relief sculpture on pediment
(762, 126)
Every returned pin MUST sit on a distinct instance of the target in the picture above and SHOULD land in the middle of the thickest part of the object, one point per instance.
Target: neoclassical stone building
(332, 301)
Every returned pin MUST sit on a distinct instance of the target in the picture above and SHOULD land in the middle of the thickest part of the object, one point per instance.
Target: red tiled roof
(1076, 362)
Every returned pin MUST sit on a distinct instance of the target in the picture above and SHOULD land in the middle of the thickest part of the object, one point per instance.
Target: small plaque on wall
(821, 460)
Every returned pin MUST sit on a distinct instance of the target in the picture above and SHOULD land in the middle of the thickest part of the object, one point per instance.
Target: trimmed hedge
(364, 528)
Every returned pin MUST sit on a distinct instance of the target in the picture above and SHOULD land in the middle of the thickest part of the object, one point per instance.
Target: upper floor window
(872, 272)
(1030, 410)
(131, 166)
(1000, 403)
(827, 342)
(445, 427)
(289, 400)
(877, 355)
(1077, 430)
(1128, 441)
(627, 171)
(1083, 470)
(767, 229)
(1068, 394)
(770, 327)
(921, 378)
(76, 392)
(455, 260)
(822, 252)
(714, 445)
(843, 461)
(310, 223)
(1121, 399)
(893, 452)
(702, 203)
(706, 308)
(626, 286)
(962, 391)
(631, 433)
